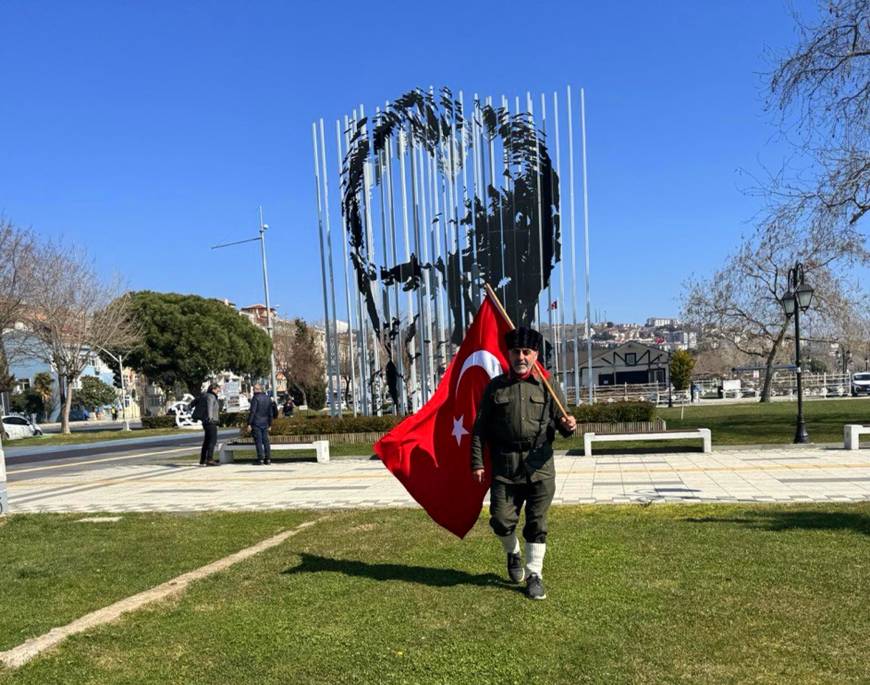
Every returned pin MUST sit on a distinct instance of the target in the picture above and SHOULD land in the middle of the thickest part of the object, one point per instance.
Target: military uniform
(518, 419)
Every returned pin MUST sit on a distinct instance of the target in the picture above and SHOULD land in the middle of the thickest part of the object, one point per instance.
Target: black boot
(515, 568)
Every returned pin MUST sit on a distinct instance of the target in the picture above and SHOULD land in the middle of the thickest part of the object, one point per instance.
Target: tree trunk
(65, 407)
(771, 357)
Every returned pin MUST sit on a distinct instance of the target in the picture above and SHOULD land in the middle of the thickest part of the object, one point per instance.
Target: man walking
(518, 420)
(208, 411)
(260, 423)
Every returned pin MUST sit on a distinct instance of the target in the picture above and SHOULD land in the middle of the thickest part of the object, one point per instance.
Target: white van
(861, 383)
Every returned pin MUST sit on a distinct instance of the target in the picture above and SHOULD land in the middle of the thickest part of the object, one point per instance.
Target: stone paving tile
(733, 475)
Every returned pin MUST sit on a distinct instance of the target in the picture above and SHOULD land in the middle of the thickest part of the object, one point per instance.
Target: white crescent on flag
(485, 360)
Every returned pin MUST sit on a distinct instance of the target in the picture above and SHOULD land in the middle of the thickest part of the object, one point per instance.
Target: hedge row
(158, 421)
(614, 412)
(325, 424)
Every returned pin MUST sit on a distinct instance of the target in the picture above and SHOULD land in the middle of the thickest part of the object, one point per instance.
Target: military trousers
(506, 501)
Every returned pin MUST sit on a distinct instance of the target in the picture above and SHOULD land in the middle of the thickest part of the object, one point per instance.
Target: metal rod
(573, 251)
(561, 309)
(457, 241)
(586, 243)
(333, 351)
(435, 239)
(421, 326)
(349, 309)
(413, 390)
(549, 299)
(362, 319)
(423, 246)
(374, 372)
(322, 251)
(399, 353)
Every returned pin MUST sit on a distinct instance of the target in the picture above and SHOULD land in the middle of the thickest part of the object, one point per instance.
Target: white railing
(783, 385)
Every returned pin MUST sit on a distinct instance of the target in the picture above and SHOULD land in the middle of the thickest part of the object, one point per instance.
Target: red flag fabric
(430, 451)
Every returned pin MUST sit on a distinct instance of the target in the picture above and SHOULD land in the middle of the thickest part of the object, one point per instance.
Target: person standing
(518, 419)
(209, 414)
(260, 423)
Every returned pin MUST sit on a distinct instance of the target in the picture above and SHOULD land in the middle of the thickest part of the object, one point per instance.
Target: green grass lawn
(682, 593)
(770, 423)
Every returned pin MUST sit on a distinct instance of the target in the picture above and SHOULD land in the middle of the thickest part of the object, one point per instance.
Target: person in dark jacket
(518, 420)
(260, 423)
(210, 413)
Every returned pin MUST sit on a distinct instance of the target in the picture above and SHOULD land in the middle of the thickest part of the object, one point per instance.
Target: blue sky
(147, 131)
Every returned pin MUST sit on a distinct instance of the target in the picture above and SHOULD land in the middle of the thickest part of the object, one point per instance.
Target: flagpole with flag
(430, 451)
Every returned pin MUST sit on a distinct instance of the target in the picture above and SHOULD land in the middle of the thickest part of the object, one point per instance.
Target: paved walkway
(786, 474)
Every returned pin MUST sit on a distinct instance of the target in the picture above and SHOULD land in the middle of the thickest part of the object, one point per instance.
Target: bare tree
(299, 356)
(739, 305)
(345, 351)
(18, 250)
(824, 82)
(73, 313)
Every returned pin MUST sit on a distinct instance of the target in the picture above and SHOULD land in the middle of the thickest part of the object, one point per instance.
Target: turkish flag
(430, 451)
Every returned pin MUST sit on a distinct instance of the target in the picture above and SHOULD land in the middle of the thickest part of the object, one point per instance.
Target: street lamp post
(269, 328)
(796, 300)
(119, 358)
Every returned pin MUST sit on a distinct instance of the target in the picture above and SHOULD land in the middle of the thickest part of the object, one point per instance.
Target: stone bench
(852, 434)
(702, 433)
(321, 447)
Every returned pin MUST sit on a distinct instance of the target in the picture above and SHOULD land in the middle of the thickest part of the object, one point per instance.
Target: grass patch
(682, 593)
(770, 422)
(54, 569)
(94, 436)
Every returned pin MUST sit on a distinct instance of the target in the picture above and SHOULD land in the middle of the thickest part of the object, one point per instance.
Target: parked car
(17, 426)
(861, 383)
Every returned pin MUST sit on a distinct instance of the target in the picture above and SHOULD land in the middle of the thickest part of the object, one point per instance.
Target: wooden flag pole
(501, 309)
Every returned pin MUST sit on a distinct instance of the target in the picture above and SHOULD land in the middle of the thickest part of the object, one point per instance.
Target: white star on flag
(459, 429)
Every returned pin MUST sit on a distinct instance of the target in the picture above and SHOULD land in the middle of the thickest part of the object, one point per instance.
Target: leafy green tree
(817, 366)
(682, 364)
(316, 395)
(94, 393)
(28, 402)
(187, 339)
(42, 383)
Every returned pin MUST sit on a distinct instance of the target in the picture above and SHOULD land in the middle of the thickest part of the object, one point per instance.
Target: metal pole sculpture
(470, 224)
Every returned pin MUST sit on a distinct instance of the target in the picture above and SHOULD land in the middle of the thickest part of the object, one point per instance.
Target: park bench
(321, 447)
(852, 434)
(702, 433)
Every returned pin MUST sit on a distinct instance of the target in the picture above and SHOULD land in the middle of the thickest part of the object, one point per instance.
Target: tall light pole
(119, 358)
(269, 329)
(796, 300)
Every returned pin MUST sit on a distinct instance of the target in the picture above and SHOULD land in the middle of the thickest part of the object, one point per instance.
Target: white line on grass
(20, 655)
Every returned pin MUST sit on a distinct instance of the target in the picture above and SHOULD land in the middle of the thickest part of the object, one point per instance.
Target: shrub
(316, 397)
(313, 424)
(158, 421)
(614, 412)
(231, 419)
